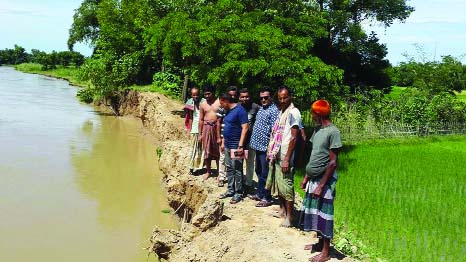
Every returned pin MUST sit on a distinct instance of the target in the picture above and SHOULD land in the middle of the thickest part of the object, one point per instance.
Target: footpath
(211, 229)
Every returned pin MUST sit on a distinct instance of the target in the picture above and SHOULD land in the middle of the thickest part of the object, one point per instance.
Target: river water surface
(75, 185)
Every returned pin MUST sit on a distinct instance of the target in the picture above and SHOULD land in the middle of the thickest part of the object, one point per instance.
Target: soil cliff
(211, 229)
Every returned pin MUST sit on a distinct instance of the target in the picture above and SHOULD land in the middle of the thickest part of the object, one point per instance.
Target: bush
(85, 95)
(168, 82)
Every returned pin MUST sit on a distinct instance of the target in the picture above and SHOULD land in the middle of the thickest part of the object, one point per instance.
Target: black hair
(284, 87)
(243, 90)
(266, 89)
(209, 88)
(227, 97)
(232, 88)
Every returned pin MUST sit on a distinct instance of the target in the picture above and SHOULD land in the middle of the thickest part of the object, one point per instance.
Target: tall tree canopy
(315, 47)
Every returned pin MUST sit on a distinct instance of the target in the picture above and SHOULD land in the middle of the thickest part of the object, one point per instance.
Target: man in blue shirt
(234, 138)
(260, 138)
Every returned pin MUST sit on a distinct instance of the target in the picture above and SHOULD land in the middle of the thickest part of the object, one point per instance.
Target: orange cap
(321, 107)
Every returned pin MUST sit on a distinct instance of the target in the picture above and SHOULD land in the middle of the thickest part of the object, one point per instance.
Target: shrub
(168, 82)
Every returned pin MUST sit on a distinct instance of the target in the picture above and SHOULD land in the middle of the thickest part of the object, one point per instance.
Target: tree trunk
(185, 86)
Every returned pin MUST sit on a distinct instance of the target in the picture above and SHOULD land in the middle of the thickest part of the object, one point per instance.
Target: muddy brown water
(75, 185)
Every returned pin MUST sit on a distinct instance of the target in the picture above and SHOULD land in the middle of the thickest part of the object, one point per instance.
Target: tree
(350, 48)
(448, 75)
(85, 27)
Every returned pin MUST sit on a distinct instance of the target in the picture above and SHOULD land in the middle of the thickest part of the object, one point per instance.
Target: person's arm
(219, 129)
(244, 132)
(201, 120)
(189, 115)
(333, 154)
(286, 160)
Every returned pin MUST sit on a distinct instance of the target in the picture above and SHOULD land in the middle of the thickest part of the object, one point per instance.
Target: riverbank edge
(208, 231)
(204, 218)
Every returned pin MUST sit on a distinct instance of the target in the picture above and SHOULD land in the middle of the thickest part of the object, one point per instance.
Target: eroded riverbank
(212, 229)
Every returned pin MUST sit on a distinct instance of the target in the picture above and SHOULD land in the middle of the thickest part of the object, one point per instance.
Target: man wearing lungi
(320, 180)
(191, 109)
(280, 153)
(208, 128)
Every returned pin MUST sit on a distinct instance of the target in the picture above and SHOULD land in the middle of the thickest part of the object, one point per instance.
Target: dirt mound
(211, 229)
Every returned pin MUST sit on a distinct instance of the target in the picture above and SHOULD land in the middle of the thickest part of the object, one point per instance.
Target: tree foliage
(447, 75)
(318, 48)
(350, 48)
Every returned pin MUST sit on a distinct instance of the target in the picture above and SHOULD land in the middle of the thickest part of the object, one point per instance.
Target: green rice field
(405, 198)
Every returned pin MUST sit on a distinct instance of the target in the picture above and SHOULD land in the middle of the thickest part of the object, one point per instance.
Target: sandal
(264, 203)
(255, 197)
(220, 183)
(225, 195)
(235, 200)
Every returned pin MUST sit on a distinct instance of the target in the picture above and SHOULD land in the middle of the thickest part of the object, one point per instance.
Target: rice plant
(404, 197)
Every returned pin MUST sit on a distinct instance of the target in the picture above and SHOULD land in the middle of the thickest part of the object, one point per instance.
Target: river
(75, 185)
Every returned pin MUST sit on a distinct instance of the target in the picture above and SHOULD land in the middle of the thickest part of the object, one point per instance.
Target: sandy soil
(211, 229)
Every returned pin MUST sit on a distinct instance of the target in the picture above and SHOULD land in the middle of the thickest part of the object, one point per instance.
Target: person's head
(266, 96)
(227, 101)
(233, 91)
(209, 92)
(284, 97)
(195, 94)
(320, 111)
(244, 97)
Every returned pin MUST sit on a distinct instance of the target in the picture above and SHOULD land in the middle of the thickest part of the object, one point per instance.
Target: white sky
(438, 26)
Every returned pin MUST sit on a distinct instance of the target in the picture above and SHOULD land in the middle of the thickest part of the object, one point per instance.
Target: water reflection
(74, 185)
(118, 171)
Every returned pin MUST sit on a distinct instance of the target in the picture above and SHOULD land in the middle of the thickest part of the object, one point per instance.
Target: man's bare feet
(206, 176)
(317, 247)
(278, 214)
(286, 223)
(319, 258)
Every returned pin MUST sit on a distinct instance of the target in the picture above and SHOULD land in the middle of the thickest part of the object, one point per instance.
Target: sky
(438, 27)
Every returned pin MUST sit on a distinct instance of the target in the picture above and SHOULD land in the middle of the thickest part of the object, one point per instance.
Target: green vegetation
(69, 73)
(461, 96)
(404, 197)
(318, 48)
(18, 55)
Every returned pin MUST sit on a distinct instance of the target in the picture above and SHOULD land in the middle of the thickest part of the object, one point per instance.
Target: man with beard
(280, 153)
(191, 109)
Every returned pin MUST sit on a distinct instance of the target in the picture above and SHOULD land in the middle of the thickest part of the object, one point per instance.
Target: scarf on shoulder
(276, 135)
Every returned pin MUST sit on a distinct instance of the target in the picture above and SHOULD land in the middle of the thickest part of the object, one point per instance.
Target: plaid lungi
(317, 213)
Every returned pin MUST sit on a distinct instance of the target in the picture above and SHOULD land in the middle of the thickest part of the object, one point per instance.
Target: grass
(403, 198)
(67, 73)
(461, 95)
(395, 92)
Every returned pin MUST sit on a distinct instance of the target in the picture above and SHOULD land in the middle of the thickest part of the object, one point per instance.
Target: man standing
(208, 128)
(221, 178)
(320, 180)
(251, 108)
(191, 109)
(280, 152)
(260, 138)
(234, 137)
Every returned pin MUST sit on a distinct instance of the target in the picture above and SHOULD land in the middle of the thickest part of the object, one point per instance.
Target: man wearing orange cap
(320, 180)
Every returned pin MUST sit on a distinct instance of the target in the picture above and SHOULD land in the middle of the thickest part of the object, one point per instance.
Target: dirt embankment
(211, 229)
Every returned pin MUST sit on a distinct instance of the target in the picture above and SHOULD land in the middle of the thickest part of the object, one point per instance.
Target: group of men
(265, 137)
